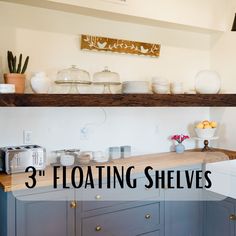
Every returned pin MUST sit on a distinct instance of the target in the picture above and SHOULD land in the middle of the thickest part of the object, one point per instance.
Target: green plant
(12, 63)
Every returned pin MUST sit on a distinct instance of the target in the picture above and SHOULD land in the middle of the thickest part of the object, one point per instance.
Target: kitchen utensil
(207, 82)
(106, 76)
(70, 79)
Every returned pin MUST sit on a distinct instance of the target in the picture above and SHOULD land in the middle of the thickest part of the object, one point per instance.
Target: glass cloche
(73, 75)
(106, 76)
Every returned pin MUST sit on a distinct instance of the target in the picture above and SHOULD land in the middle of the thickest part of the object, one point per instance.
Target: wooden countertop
(157, 161)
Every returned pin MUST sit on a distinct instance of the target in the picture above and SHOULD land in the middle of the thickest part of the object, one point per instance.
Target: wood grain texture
(157, 161)
(96, 43)
(117, 100)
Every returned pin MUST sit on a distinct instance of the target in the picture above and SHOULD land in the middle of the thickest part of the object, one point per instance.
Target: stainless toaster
(17, 159)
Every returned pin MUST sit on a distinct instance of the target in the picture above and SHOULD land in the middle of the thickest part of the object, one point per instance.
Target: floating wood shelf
(116, 100)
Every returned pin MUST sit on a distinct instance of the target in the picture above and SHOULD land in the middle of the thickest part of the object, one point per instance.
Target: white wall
(51, 39)
(147, 130)
(223, 60)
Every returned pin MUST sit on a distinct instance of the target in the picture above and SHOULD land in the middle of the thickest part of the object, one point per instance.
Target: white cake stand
(206, 143)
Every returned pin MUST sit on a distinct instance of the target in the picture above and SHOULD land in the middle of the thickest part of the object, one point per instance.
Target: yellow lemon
(207, 126)
(200, 126)
(214, 124)
(206, 122)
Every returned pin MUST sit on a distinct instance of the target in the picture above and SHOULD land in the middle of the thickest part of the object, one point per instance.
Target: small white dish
(7, 88)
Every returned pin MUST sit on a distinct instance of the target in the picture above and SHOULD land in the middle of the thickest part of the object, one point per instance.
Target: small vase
(40, 83)
(17, 79)
(180, 148)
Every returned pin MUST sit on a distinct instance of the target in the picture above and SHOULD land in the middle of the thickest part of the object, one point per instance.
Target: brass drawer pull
(232, 217)
(147, 216)
(73, 204)
(98, 228)
(98, 197)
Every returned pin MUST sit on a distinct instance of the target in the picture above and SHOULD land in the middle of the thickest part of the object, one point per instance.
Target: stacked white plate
(160, 86)
(131, 87)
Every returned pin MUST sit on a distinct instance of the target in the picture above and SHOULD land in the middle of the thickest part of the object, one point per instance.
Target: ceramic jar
(40, 83)
(180, 148)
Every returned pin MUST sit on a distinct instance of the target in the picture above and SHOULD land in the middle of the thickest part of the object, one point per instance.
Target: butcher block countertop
(158, 161)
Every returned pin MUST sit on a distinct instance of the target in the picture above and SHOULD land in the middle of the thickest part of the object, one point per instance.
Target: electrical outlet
(27, 137)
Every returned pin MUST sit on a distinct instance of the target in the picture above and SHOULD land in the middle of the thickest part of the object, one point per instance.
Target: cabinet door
(217, 218)
(184, 218)
(47, 218)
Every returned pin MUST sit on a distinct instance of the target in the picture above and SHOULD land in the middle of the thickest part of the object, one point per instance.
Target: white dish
(135, 87)
(7, 88)
(208, 82)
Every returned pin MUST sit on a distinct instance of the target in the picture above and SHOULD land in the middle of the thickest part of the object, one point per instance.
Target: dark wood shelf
(117, 100)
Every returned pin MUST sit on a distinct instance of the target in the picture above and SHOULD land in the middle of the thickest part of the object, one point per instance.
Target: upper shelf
(116, 100)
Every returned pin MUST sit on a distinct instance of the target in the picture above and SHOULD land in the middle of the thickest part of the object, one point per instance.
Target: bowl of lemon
(206, 129)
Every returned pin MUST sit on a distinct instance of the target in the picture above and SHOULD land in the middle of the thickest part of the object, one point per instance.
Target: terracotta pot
(17, 79)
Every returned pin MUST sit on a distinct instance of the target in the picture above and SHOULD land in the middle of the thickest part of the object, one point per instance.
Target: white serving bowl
(205, 133)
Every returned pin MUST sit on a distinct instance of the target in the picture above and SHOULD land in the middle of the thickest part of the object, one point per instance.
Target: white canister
(40, 83)
(67, 160)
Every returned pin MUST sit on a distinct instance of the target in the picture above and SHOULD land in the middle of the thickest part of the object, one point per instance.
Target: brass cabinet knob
(98, 228)
(147, 216)
(232, 217)
(98, 197)
(73, 204)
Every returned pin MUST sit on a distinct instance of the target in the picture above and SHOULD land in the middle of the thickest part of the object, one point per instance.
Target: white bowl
(205, 133)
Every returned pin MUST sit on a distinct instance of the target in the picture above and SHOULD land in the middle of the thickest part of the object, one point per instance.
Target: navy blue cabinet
(220, 218)
(183, 218)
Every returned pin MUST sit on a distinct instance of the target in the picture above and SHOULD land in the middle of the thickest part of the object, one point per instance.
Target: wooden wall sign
(119, 46)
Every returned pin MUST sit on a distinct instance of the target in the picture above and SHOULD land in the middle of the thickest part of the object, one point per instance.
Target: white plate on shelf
(208, 82)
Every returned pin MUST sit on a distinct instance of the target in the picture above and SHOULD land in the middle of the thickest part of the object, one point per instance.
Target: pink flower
(179, 138)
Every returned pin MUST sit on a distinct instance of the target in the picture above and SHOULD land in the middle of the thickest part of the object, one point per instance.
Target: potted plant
(179, 148)
(17, 72)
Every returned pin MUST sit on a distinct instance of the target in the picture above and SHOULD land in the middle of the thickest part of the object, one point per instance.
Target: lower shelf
(117, 100)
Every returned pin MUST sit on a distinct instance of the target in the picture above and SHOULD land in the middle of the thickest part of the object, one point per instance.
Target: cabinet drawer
(132, 222)
(94, 199)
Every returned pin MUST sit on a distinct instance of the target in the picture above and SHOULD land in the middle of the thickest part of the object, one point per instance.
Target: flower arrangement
(179, 138)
